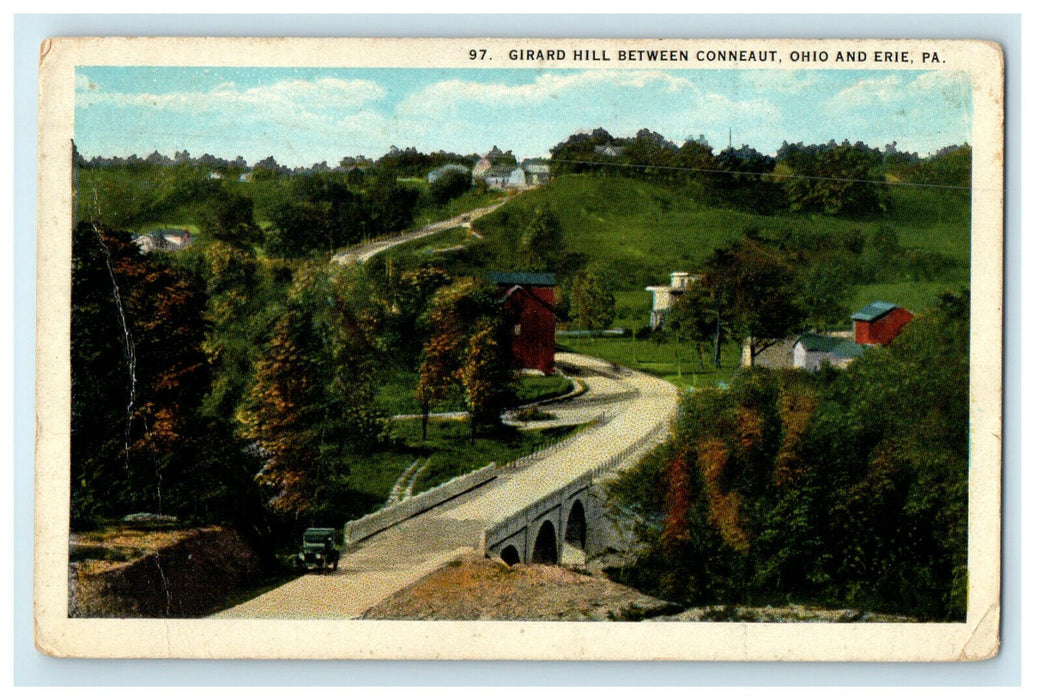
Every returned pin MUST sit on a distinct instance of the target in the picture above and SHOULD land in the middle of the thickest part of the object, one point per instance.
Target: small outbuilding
(811, 351)
(879, 323)
(528, 299)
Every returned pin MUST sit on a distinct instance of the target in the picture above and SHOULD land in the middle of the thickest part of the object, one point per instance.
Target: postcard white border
(59, 635)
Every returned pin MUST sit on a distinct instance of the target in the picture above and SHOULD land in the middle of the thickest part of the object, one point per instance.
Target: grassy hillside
(643, 230)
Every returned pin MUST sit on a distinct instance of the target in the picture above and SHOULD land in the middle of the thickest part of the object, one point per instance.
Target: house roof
(525, 279)
(501, 171)
(848, 350)
(876, 309)
(819, 343)
(840, 348)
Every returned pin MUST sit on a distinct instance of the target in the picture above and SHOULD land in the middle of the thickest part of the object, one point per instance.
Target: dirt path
(632, 406)
(361, 253)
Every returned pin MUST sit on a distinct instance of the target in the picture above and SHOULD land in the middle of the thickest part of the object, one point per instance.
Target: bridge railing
(369, 525)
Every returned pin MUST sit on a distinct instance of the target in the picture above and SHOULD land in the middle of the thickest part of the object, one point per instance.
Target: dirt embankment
(125, 572)
(483, 589)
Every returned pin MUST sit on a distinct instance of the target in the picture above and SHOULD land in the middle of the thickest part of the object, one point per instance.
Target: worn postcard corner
(519, 349)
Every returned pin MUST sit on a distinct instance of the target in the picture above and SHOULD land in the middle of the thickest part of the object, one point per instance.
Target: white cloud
(451, 94)
(292, 96)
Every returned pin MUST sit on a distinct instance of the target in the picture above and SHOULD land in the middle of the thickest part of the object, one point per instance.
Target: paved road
(632, 405)
(361, 253)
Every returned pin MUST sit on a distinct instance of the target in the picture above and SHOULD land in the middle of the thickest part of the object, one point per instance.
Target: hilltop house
(537, 171)
(663, 296)
(879, 323)
(528, 297)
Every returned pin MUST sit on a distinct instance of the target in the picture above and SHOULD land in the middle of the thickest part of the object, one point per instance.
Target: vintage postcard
(519, 349)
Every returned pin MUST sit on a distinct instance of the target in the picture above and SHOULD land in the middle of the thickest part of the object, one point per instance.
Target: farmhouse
(528, 298)
(664, 296)
(879, 323)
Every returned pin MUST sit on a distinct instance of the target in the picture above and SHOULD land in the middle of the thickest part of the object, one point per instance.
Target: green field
(681, 364)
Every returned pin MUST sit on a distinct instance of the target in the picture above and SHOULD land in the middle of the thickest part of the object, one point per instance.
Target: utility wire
(780, 176)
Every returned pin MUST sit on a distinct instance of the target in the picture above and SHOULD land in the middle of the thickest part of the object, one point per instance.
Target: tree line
(838, 488)
(844, 178)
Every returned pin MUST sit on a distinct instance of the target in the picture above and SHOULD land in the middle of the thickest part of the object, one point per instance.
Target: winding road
(362, 252)
(631, 407)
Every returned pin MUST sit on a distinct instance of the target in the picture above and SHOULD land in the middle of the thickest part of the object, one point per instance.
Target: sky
(303, 116)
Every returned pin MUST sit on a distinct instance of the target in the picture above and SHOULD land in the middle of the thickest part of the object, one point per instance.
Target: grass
(396, 386)
(642, 231)
(447, 453)
(676, 363)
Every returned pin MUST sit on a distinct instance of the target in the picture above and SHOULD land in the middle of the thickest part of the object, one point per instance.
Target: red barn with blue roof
(528, 297)
(879, 323)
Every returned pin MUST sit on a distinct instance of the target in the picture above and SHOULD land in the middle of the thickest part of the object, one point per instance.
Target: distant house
(663, 297)
(505, 177)
(164, 239)
(499, 170)
(879, 323)
(246, 177)
(528, 298)
(537, 171)
(609, 150)
(811, 351)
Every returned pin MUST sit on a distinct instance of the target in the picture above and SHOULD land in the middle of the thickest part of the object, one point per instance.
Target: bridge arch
(575, 528)
(510, 556)
(545, 549)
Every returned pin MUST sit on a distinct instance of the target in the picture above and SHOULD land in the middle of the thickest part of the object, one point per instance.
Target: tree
(542, 242)
(485, 374)
(833, 179)
(458, 313)
(229, 219)
(694, 316)
(282, 415)
(754, 287)
(138, 377)
(449, 185)
(592, 302)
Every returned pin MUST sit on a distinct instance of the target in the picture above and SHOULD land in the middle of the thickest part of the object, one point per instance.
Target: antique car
(318, 550)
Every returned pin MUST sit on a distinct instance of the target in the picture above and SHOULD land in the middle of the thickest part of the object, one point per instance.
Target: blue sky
(304, 115)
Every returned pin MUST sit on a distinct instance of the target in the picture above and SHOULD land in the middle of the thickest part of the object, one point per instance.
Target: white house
(664, 296)
(811, 351)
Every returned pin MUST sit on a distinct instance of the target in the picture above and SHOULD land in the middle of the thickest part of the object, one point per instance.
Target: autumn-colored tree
(485, 374)
(458, 314)
(138, 376)
(281, 416)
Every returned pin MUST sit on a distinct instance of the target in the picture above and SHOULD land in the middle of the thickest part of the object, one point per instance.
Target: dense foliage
(833, 178)
(843, 488)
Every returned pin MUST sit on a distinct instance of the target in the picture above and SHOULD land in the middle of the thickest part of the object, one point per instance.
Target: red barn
(529, 299)
(879, 323)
